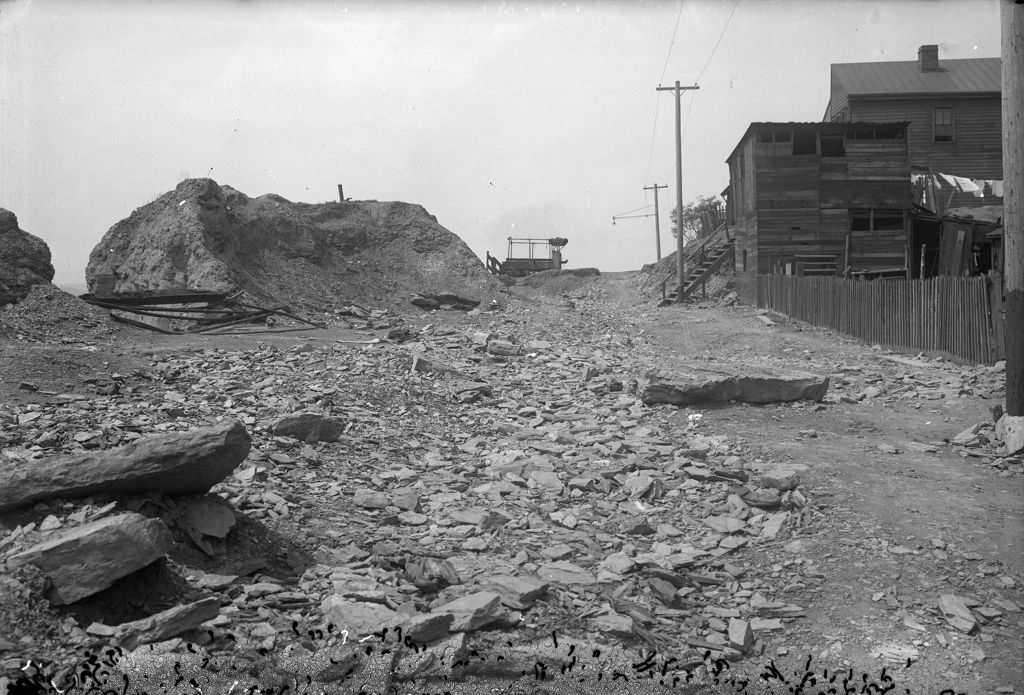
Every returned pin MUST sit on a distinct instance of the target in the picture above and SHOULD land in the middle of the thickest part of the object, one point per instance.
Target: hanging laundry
(997, 188)
(951, 180)
(965, 184)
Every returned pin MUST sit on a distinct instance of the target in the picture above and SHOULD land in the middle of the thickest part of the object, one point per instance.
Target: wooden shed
(820, 199)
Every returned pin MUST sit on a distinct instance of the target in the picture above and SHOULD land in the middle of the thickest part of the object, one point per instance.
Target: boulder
(309, 427)
(24, 260)
(1010, 430)
(205, 236)
(178, 463)
(701, 384)
(89, 558)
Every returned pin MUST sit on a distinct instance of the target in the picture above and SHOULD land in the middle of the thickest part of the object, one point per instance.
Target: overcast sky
(500, 118)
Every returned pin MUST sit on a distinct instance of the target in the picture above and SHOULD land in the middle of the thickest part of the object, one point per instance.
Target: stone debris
(957, 613)
(517, 477)
(161, 626)
(84, 560)
(473, 611)
(178, 463)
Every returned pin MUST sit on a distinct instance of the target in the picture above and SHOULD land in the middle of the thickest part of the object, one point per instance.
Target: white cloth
(965, 184)
(997, 188)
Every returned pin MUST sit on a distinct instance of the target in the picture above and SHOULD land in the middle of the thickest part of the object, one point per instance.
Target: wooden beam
(1012, 20)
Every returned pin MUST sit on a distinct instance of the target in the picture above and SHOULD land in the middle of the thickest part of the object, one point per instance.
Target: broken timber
(201, 312)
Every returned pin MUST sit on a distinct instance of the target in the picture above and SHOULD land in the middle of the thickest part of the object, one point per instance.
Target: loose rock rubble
(503, 474)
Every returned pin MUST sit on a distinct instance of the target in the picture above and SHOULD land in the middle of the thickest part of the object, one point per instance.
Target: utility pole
(679, 186)
(1012, 21)
(657, 219)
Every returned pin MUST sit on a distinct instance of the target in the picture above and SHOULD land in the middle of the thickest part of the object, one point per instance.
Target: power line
(720, 36)
(654, 129)
(673, 42)
(629, 212)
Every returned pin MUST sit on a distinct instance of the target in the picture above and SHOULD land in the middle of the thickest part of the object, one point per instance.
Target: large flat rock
(696, 384)
(89, 558)
(179, 463)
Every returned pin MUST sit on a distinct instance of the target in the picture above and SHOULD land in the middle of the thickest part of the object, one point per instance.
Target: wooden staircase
(699, 263)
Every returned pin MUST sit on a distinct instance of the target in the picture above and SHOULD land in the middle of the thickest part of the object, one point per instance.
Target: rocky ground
(498, 485)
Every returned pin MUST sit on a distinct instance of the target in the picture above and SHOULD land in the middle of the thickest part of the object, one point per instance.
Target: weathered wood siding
(976, 150)
(743, 220)
(803, 202)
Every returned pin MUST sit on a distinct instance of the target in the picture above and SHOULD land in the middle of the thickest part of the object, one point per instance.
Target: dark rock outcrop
(24, 260)
(203, 236)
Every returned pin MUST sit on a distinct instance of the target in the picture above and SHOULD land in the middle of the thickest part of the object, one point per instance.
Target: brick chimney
(928, 58)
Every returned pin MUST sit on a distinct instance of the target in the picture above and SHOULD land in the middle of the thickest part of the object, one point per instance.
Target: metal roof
(955, 76)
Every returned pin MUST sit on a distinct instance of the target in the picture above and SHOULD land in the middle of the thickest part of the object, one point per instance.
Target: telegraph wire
(673, 42)
(715, 49)
(657, 97)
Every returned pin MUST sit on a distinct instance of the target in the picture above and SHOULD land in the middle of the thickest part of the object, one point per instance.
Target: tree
(701, 217)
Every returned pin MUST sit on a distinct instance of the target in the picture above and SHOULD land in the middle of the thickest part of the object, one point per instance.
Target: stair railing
(721, 235)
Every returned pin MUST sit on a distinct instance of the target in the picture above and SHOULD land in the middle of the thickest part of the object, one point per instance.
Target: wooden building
(953, 108)
(820, 199)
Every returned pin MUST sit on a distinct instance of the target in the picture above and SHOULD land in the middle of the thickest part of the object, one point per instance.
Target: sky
(526, 119)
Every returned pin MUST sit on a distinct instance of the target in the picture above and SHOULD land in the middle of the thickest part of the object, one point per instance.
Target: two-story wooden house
(953, 108)
(820, 199)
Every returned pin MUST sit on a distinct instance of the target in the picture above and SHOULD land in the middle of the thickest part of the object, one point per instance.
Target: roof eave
(919, 95)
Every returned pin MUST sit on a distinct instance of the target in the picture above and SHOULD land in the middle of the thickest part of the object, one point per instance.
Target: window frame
(936, 125)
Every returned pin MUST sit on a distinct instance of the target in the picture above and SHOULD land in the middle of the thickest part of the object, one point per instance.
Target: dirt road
(896, 515)
(904, 516)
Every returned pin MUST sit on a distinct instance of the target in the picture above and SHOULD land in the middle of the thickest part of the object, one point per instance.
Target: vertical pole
(681, 279)
(341, 194)
(657, 224)
(1012, 21)
(657, 217)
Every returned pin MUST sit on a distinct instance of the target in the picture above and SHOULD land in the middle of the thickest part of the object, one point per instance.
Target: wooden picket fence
(960, 316)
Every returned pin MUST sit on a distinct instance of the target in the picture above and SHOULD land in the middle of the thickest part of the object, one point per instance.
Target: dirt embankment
(204, 236)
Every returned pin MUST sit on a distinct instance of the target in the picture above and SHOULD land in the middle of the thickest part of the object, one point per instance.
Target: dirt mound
(203, 236)
(24, 260)
(48, 314)
(558, 281)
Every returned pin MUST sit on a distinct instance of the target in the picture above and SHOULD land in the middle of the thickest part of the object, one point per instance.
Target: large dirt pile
(24, 260)
(203, 236)
(48, 314)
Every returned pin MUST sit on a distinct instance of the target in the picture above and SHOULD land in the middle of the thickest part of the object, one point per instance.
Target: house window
(887, 220)
(943, 124)
(805, 142)
(860, 220)
(832, 146)
(876, 220)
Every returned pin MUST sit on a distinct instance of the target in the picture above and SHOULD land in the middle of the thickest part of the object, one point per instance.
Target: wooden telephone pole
(657, 218)
(679, 187)
(1012, 21)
